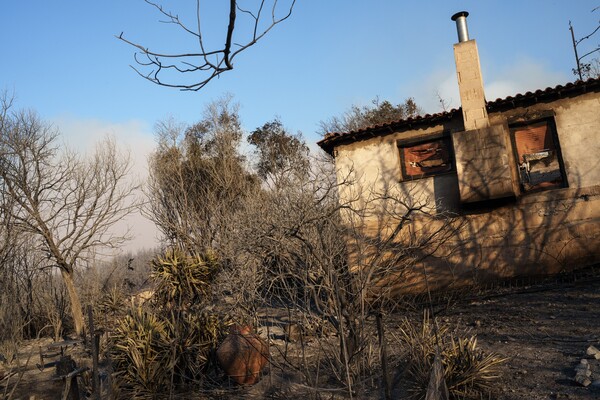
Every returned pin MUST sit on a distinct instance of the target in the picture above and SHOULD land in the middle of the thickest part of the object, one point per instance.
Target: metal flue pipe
(461, 25)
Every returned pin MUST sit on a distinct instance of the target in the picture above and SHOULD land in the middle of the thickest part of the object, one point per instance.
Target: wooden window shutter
(425, 159)
(537, 156)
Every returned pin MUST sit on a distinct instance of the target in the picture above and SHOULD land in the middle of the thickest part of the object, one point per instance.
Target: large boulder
(243, 355)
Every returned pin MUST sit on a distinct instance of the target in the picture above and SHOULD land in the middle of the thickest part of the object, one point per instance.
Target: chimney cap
(459, 14)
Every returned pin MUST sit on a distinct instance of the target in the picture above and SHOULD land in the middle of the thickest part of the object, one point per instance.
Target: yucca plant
(141, 352)
(112, 300)
(183, 279)
(194, 336)
(167, 341)
(468, 371)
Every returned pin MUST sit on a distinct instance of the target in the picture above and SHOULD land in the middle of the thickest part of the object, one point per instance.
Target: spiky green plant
(468, 371)
(167, 341)
(183, 279)
(111, 301)
(141, 352)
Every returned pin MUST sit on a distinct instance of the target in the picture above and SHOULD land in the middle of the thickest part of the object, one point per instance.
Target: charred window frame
(538, 156)
(424, 157)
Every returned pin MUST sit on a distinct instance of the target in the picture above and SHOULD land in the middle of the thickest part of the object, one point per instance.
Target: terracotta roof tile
(518, 100)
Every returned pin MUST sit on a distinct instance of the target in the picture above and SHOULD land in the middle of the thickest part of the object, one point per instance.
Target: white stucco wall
(536, 233)
(578, 128)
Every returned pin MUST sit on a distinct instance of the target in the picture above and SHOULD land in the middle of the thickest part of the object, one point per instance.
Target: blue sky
(62, 59)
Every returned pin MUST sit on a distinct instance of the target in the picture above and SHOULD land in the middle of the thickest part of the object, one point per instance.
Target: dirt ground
(29, 380)
(543, 330)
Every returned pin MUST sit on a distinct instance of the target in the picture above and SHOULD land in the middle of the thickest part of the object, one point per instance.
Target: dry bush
(198, 182)
(153, 354)
(107, 285)
(283, 236)
(468, 371)
(33, 298)
(297, 237)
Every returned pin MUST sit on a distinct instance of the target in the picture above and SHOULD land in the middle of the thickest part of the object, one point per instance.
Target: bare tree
(204, 62)
(68, 203)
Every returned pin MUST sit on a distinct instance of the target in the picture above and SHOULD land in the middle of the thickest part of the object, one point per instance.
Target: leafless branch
(588, 36)
(588, 53)
(205, 64)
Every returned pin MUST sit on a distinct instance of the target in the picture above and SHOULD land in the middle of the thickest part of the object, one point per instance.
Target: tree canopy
(277, 150)
(360, 117)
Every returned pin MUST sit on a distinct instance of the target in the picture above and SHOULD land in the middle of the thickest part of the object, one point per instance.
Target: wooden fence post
(95, 344)
(383, 354)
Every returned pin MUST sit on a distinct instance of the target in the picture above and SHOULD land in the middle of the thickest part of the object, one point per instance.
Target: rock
(594, 352)
(596, 383)
(583, 368)
(522, 372)
(583, 373)
(293, 332)
(243, 355)
(582, 380)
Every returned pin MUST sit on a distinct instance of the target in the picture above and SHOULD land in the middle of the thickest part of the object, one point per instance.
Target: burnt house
(520, 175)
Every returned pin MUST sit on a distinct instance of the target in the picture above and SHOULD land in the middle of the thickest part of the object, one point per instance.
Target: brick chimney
(470, 82)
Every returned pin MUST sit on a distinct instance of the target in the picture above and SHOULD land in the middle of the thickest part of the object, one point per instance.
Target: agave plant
(468, 371)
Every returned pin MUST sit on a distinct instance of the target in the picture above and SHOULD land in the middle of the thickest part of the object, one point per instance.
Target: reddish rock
(243, 355)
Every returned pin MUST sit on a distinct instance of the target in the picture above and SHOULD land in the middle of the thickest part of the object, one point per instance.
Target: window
(423, 159)
(538, 155)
